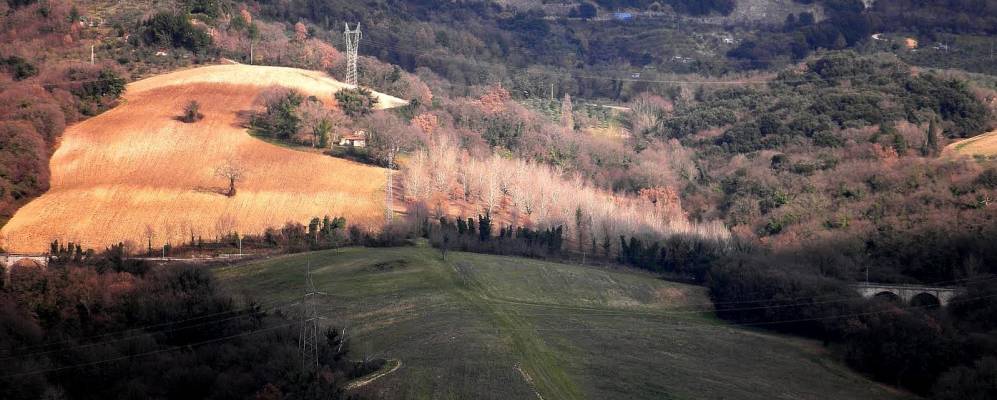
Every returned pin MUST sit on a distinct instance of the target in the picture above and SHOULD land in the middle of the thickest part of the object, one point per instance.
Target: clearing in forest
(138, 169)
(984, 145)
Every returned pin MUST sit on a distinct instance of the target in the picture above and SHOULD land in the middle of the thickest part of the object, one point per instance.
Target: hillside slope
(138, 168)
(491, 327)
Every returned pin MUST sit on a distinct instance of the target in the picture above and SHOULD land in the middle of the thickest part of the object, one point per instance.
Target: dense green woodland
(106, 327)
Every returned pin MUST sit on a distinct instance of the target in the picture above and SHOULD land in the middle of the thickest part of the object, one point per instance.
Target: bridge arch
(888, 295)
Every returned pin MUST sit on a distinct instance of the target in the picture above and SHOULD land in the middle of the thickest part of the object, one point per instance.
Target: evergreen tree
(313, 228)
(484, 227)
(357, 102)
(580, 229)
(931, 143)
(321, 133)
(899, 144)
(607, 245)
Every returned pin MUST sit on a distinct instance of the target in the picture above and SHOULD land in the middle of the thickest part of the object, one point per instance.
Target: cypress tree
(484, 227)
(624, 250)
(931, 144)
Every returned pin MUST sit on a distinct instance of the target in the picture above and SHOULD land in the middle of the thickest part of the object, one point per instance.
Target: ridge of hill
(138, 173)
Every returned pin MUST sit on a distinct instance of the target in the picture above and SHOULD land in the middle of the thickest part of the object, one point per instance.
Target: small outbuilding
(356, 139)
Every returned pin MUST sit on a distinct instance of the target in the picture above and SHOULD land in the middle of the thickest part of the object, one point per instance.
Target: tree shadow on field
(180, 118)
(212, 190)
(242, 119)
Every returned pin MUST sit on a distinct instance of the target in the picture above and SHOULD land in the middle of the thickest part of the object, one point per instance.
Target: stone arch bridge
(914, 295)
(8, 260)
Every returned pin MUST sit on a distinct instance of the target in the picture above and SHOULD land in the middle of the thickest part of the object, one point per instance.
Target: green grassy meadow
(490, 327)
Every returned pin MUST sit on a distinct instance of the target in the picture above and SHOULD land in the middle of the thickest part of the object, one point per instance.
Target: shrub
(987, 178)
(356, 102)
(192, 112)
(280, 120)
(18, 67)
(95, 84)
(969, 383)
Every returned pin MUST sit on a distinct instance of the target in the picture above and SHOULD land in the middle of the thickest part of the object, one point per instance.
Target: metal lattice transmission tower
(352, 45)
(389, 195)
(308, 341)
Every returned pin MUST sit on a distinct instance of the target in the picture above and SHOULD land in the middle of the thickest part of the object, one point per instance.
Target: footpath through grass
(490, 327)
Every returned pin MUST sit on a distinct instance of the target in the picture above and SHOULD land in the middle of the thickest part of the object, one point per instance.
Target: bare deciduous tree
(225, 225)
(415, 177)
(233, 171)
(387, 135)
(491, 184)
(318, 122)
(548, 198)
(150, 233)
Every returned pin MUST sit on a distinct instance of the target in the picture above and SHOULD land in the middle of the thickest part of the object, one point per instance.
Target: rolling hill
(492, 327)
(137, 168)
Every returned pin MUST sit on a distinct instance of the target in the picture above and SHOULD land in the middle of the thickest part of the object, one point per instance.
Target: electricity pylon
(389, 195)
(308, 341)
(352, 45)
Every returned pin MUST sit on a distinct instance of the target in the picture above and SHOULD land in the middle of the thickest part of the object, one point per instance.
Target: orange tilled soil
(138, 167)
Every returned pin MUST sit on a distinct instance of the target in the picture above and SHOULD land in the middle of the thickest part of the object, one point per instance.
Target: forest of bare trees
(520, 192)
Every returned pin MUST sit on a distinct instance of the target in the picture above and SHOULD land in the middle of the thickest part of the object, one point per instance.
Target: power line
(725, 323)
(142, 328)
(531, 70)
(310, 284)
(148, 353)
(137, 335)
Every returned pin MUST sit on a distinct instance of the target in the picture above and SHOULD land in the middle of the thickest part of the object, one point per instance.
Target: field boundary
(361, 382)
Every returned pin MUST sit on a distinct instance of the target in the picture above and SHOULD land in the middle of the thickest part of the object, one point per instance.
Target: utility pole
(91, 55)
(352, 45)
(308, 340)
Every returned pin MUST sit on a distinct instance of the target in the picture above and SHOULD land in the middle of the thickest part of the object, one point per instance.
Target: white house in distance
(356, 139)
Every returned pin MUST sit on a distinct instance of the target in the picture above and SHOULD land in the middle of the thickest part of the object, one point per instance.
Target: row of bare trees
(527, 193)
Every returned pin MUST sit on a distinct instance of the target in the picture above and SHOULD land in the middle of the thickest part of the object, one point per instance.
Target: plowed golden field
(983, 145)
(138, 168)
